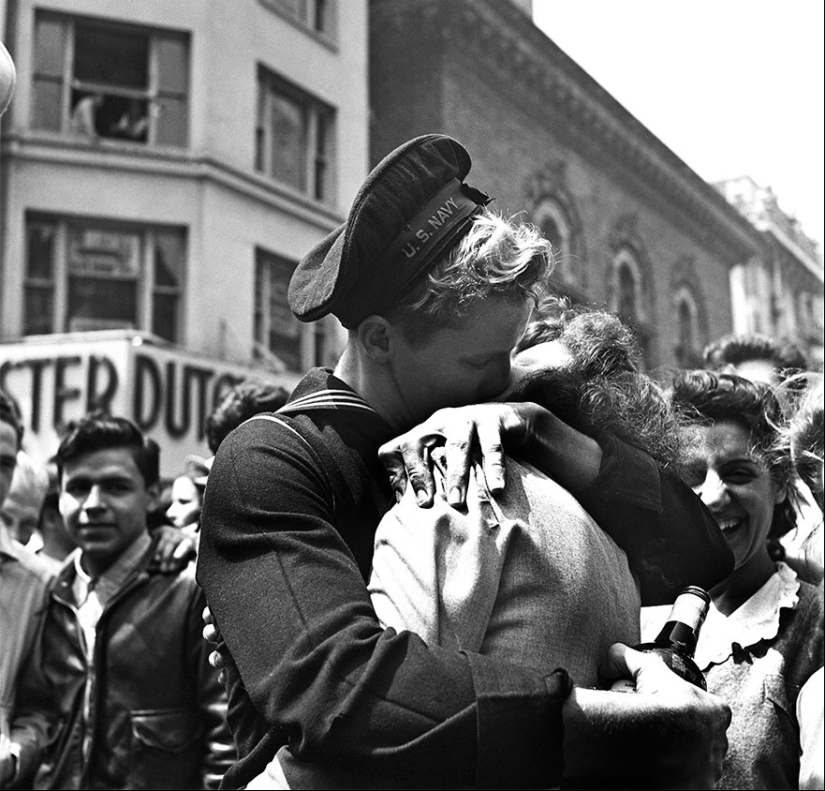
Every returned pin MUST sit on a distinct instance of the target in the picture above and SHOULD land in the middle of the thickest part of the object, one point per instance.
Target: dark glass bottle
(676, 642)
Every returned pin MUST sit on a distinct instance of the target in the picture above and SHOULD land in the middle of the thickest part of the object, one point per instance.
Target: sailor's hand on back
(484, 428)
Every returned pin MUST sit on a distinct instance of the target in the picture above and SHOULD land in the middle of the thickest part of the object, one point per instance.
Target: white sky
(733, 87)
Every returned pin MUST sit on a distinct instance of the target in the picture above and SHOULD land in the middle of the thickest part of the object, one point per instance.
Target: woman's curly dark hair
(601, 388)
(705, 397)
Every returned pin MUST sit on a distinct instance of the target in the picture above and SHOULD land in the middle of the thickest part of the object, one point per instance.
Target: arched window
(686, 324)
(553, 222)
(687, 352)
(627, 291)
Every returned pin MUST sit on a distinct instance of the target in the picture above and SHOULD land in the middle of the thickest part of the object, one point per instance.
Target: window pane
(96, 304)
(104, 253)
(321, 344)
(321, 22)
(296, 8)
(321, 156)
(170, 251)
(40, 252)
(283, 330)
(685, 326)
(38, 312)
(550, 229)
(289, 144)
(172, 121)
(49, 42)
(173, 64)
(46, 111)
(165, 316)
(111, 56)
(627, 292)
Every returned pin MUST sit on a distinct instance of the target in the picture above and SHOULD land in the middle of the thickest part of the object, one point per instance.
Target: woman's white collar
(756, 620)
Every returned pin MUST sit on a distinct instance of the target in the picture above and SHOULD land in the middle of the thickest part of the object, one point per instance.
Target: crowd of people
(425, 568)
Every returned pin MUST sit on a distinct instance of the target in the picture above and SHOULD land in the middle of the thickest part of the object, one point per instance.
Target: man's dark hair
(99, 431)
(786, 358)
(10, 413)
(238, 405)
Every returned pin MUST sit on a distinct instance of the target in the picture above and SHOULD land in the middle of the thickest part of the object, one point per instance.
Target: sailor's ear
(375, 334)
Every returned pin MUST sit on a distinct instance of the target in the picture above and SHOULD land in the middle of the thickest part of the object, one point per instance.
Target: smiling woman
(761, 647)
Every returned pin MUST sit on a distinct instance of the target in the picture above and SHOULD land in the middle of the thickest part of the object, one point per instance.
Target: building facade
(638, 231)
(779, 293)
(163, 167)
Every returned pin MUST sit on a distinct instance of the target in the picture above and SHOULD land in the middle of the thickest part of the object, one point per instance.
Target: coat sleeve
(670, 537)
(315, 664)
(218, 749)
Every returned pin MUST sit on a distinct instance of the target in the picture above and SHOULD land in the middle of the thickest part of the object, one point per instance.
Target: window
(92, 276)
(688, 354)
(102, 81)
(626, 292)
(553, 223)
(277, 331)
(316, 15)
(294, 137)
(627, 296)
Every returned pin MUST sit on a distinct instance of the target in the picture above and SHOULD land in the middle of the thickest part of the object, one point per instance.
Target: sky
(733, 87)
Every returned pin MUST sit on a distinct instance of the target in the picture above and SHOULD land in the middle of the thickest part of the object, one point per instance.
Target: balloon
(8, 77)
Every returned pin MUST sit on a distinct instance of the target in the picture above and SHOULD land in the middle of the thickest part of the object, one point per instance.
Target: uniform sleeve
(315, 663)
(670, 538)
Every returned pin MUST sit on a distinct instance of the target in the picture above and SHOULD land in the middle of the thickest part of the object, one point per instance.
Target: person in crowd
(21, 508)
(187, 495)
(239, 404)
(781, 365)
(24, 579)
(762, 641)
(57, 543)
(759, 358)
(803, 434)
(120, 666)
(435, 291)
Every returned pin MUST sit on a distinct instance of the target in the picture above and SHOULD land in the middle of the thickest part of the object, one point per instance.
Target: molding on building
(520, 60)
(168, 163)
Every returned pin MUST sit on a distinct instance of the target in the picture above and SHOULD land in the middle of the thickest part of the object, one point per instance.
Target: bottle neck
(681, 631)
(678, 635)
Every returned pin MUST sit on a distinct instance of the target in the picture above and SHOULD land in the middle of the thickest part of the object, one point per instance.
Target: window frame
(146, 286)
(626, 259)
(688, 355)
(311, 18)
(319, 135)
(154, 94)
(313, 338)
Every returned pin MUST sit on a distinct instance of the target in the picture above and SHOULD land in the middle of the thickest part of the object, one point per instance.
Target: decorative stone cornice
(501, 43)
(62, 154)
